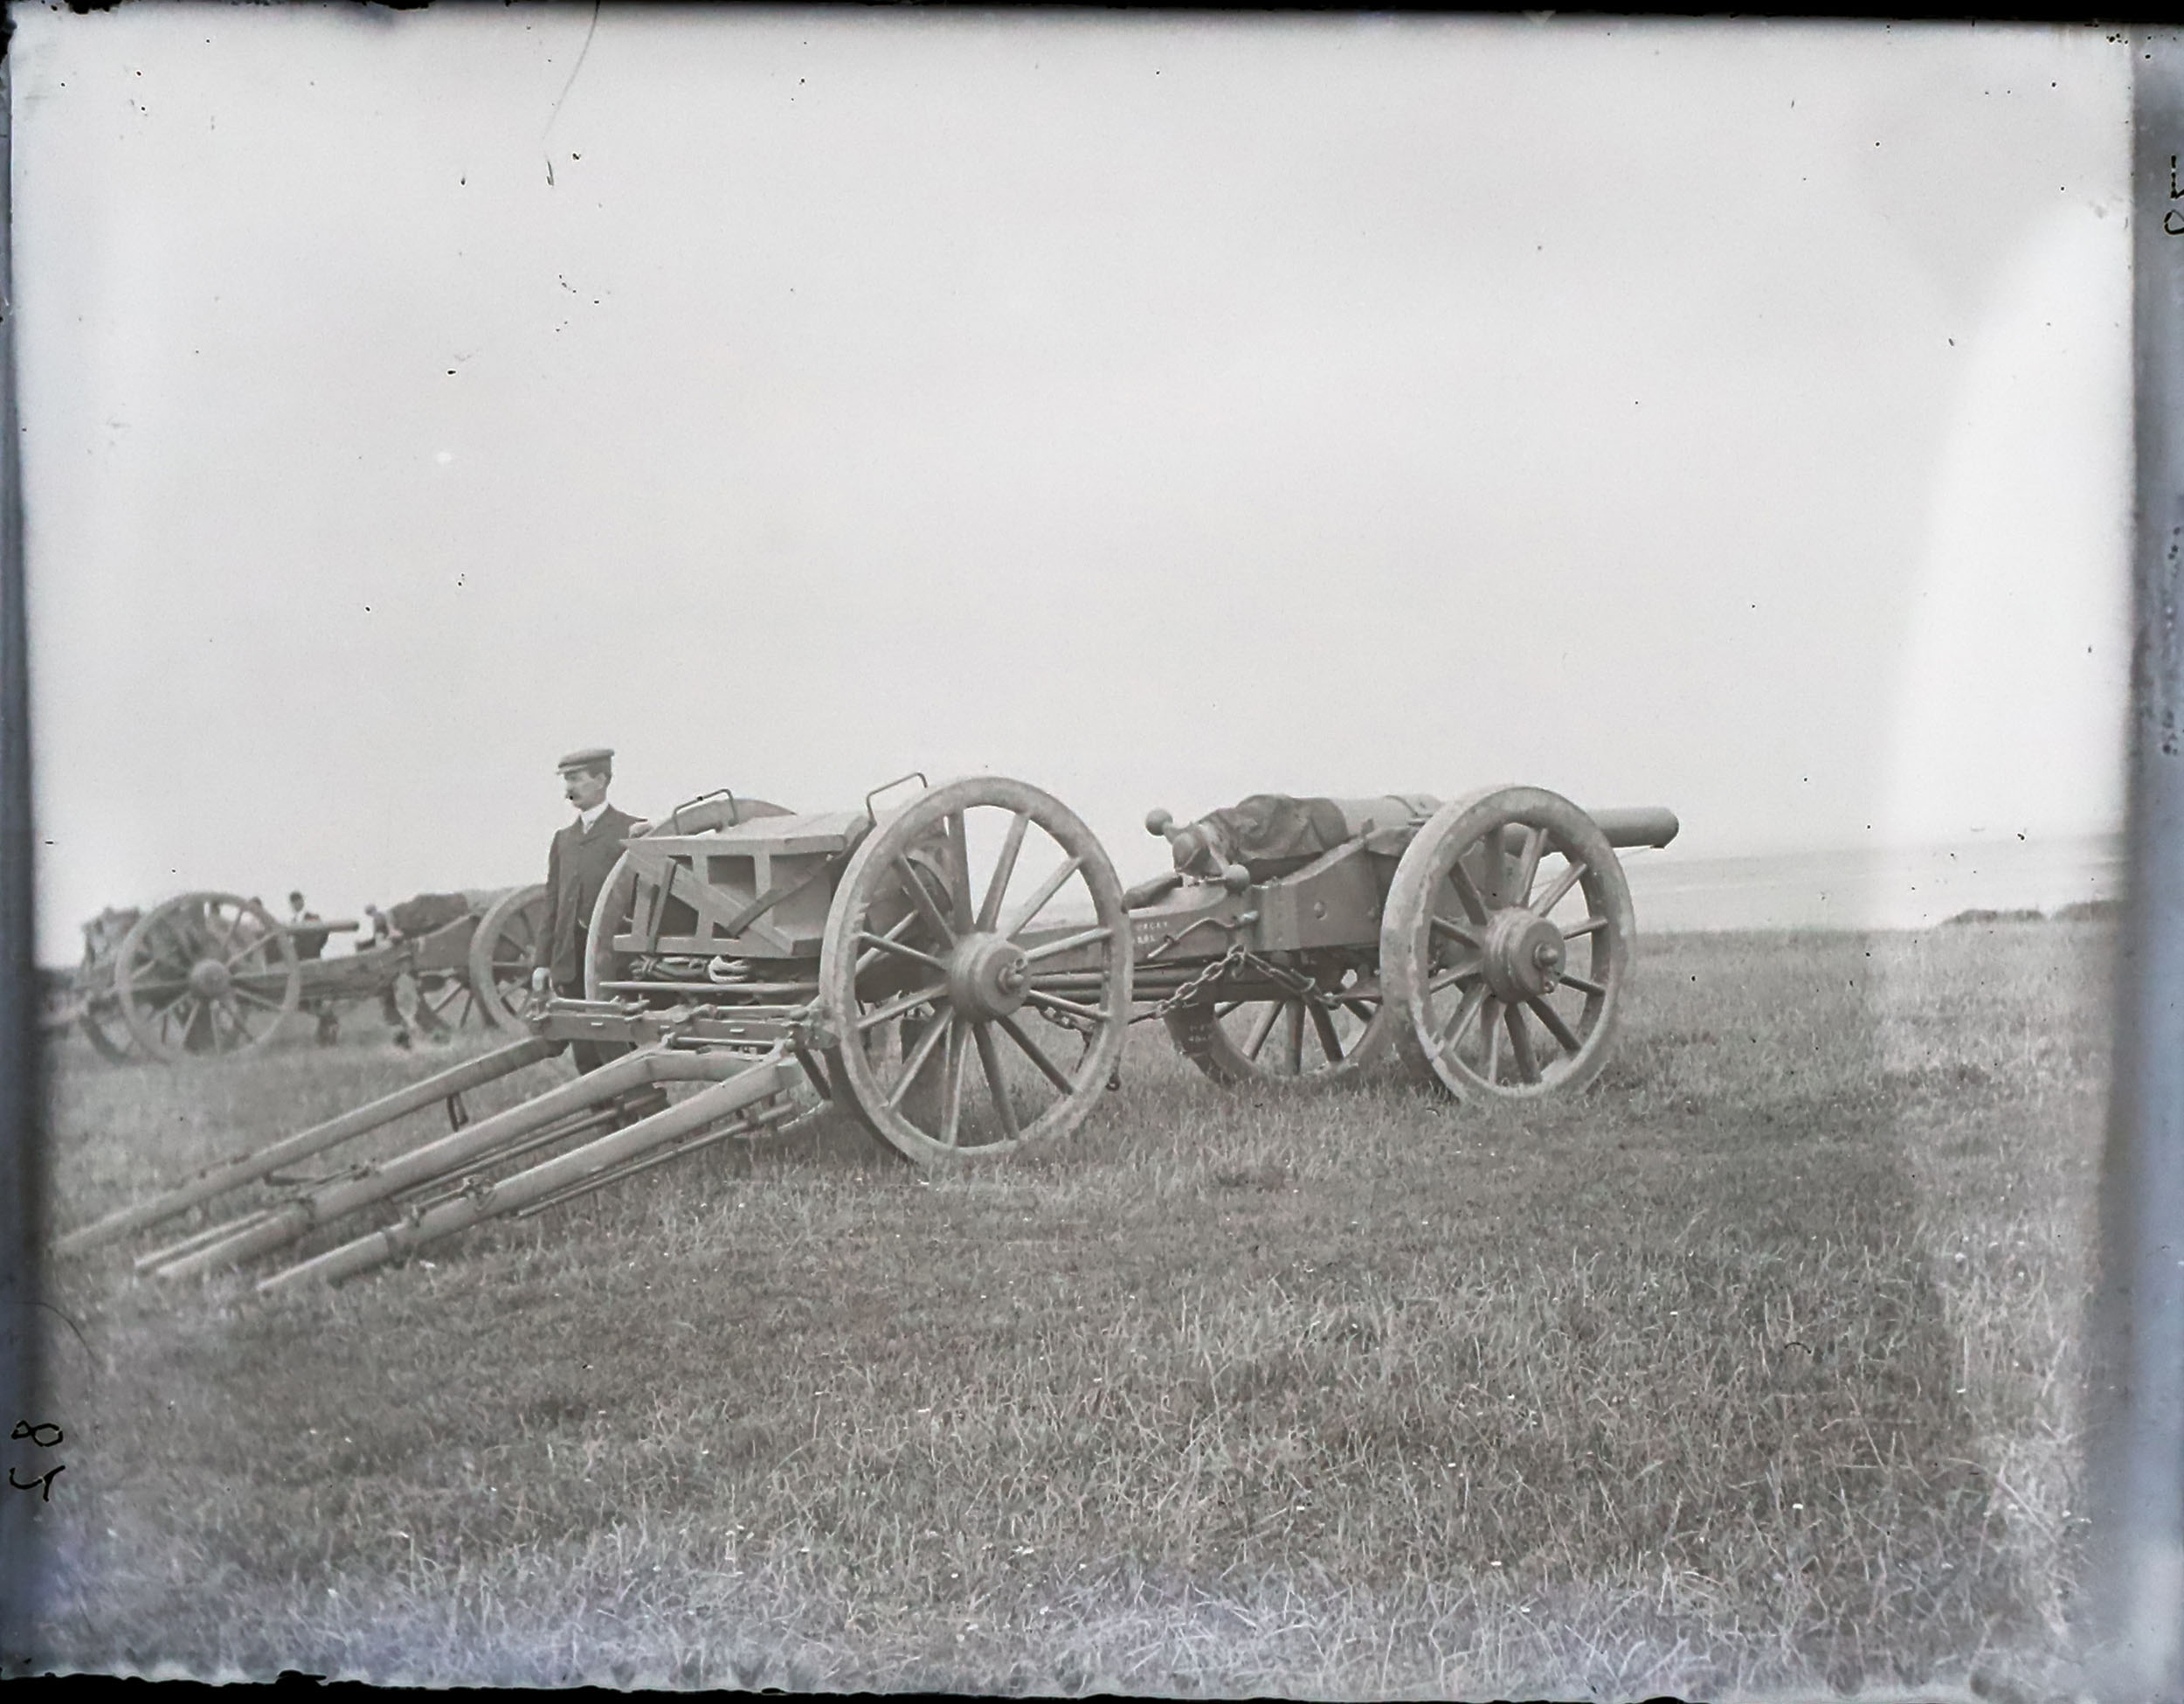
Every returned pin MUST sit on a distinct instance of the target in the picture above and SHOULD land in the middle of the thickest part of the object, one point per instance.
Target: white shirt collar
(590, 817)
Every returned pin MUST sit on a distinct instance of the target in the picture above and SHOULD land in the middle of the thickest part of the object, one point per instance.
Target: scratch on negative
(580, 52)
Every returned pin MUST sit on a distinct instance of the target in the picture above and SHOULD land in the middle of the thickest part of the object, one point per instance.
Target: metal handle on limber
(917, 775)
(674, 816)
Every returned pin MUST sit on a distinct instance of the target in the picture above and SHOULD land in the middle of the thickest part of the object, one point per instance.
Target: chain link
(1294, 984)
(1211, 973)
(1238, 958)
(1215, 972)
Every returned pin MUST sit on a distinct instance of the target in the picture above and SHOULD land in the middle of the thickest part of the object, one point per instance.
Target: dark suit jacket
(576, 868)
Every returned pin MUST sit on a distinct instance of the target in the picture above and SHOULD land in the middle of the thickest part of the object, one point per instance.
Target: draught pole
(229, 1175)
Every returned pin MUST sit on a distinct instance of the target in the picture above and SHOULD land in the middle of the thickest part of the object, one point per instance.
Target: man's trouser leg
(586, 1054)
(392, 1013)
(589, 1055)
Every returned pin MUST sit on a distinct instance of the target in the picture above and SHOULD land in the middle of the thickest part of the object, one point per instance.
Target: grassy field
(1752, 1370)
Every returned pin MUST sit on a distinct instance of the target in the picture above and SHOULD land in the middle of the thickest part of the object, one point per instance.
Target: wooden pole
(217, 1181)
(750, 1085)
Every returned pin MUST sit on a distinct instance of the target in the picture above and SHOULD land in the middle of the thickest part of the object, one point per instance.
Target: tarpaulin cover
(1270, 834)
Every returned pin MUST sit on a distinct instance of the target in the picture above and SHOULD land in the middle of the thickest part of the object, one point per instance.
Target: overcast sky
(1159, 410)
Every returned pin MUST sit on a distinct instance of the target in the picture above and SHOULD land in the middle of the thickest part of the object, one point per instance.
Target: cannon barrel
(1643, 825)
(1638, 825)
(1386, 823)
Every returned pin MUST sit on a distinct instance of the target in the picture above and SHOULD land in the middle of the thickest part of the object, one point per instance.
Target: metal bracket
(917, 775)
(813, 1070)
(674, 816)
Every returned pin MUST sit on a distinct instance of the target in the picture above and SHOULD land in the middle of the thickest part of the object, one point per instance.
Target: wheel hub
(209, 979)
(987, 976)
(1524, 955)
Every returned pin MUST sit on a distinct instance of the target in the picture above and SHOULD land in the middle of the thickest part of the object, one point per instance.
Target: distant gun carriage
(961, 972)
(214, 973)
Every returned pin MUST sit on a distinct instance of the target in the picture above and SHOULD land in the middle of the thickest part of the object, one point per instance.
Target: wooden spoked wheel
(501, 947)
(99, 1014)
(1505, 946)
(976, 973)
(1333, 1030)
(206, 973)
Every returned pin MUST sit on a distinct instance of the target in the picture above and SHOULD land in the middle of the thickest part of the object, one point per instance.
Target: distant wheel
(100, 1016)
(1505, 946)
(501, 947)
(446, 1000)
(958, 988)
(206, 973)
(1334, 1029)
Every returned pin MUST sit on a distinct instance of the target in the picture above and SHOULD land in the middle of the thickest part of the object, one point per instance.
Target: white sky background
(1159, 410)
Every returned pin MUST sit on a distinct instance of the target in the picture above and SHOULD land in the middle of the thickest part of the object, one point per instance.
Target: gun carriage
(214, 973)
(960, 972)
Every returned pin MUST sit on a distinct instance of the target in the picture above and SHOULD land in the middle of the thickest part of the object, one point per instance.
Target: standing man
(311, 943)
(582, 858)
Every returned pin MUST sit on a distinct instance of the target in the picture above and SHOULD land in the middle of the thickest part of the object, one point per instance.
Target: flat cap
(592, 757)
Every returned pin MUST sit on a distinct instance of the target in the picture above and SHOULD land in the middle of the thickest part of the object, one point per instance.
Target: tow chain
(1215, 972)
(1212, 974)
(1237, 958)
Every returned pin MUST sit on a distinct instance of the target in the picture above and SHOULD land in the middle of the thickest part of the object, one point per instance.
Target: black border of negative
(2134, 1618)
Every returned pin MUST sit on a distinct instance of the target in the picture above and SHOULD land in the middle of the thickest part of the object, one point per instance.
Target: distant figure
(309, 943)
(103, 935)
(581, 858)
(374, 931)
(402, 1000)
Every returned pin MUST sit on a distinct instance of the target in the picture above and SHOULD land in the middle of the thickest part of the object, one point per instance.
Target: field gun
(960, 971)
(215, 975)
(1488, 938)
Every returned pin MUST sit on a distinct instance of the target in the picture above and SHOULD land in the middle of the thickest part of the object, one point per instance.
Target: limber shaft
(234, 1173)
(197, 1239)
(577, 1124)
(754, 1082)
(451, 1153)
(748, 1125)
